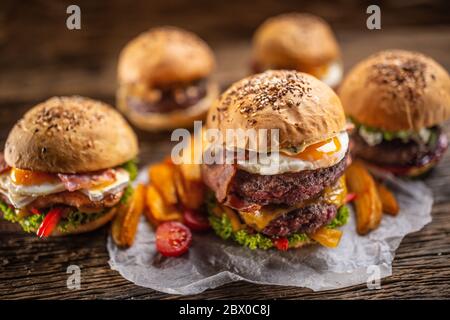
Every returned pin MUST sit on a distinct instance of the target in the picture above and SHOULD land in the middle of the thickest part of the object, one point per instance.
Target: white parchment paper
(212, 262)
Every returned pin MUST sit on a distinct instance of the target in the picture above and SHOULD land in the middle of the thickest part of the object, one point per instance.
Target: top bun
(397, 90)
(294, 40)
(70, 135)
(304, 109)
(165, 55)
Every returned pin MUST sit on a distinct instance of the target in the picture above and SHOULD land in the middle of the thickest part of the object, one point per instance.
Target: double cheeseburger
(164, 79)
(67, 167)
(397, 101)
(262, 205)
(298, 41)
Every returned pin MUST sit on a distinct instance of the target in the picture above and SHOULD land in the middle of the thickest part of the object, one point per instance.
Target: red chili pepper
(35, 211)
(350, 197)
(281, 244)
(49, 223)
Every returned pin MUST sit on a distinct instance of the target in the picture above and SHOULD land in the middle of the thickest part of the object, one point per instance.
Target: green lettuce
(340, 219)
(32, 222)
(132, 168)
(127, 194)
(253, 241)
(77, 218)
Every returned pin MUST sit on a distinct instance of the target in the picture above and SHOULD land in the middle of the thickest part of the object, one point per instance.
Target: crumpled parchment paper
(212, 262)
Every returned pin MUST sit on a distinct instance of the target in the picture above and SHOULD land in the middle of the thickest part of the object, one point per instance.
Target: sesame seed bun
(70, 135)
(165, 55)
(304, 109)
(297, 41)
(397, 90)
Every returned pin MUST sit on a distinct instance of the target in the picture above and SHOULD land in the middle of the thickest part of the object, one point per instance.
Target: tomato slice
(195, 220)
(173, 239)
(281, 244)
(49, 223)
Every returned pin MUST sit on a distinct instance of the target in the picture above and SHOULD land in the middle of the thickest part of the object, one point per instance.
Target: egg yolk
(320, 150)
(27, 177)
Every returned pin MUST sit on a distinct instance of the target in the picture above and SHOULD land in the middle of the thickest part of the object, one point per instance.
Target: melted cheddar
(259, 219)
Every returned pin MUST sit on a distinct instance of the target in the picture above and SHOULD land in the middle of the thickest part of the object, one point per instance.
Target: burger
(262, 205)
(164, 79)
(67, 167)
(298, 41)
(397, 101)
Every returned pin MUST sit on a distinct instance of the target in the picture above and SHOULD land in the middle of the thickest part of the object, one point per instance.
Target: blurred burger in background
(164, 79)
(67, 167)
(298, 41)
(298, 200)
(397, 101)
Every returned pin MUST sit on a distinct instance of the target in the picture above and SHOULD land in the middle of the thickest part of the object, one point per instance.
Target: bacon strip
(218, 177)
(74, 182)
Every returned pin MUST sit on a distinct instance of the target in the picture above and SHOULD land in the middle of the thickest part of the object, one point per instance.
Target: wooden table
(40, 58)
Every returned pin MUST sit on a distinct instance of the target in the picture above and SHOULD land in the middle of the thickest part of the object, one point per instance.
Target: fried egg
(23, 193)
(322, 155)
(99, 192)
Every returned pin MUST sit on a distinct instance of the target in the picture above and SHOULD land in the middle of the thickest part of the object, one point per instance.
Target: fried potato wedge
(125, 223)
(162, 177)
(327, 237)
(158, 209)
(191, 172)
(388, 201)
(190, 193)
(367, 203)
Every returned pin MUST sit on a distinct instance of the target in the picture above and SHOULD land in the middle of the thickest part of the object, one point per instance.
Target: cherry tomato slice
(195, 220)
(49, 223)
(281, 244)
(173, 239)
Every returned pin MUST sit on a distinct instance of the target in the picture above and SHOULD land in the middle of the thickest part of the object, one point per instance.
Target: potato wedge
(190, 193)
(162, 177)
(327, 237)
(367, 203)
(191, 172)
(158, 208)
(388, 201)
(125, 223)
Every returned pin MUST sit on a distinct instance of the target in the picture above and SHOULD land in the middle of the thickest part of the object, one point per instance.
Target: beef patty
(285, 188)
(171, 99)
(399, 153)
(307, 219)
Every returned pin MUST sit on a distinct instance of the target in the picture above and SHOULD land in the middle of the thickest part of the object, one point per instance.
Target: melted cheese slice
(259, 219)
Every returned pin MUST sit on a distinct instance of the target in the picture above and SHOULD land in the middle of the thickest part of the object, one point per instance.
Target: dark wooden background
(40, 58)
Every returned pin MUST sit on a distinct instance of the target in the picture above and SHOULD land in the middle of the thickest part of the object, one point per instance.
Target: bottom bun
(166, 121)
(87, 227)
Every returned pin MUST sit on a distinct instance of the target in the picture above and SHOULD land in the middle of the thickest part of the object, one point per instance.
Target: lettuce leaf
(32, 222)
(341, 218)
(132, 168)
(127, 194)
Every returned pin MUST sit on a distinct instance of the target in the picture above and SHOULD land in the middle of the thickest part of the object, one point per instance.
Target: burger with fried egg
(67, 167)
(397, 101)
(300, 199)
(298, 41)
